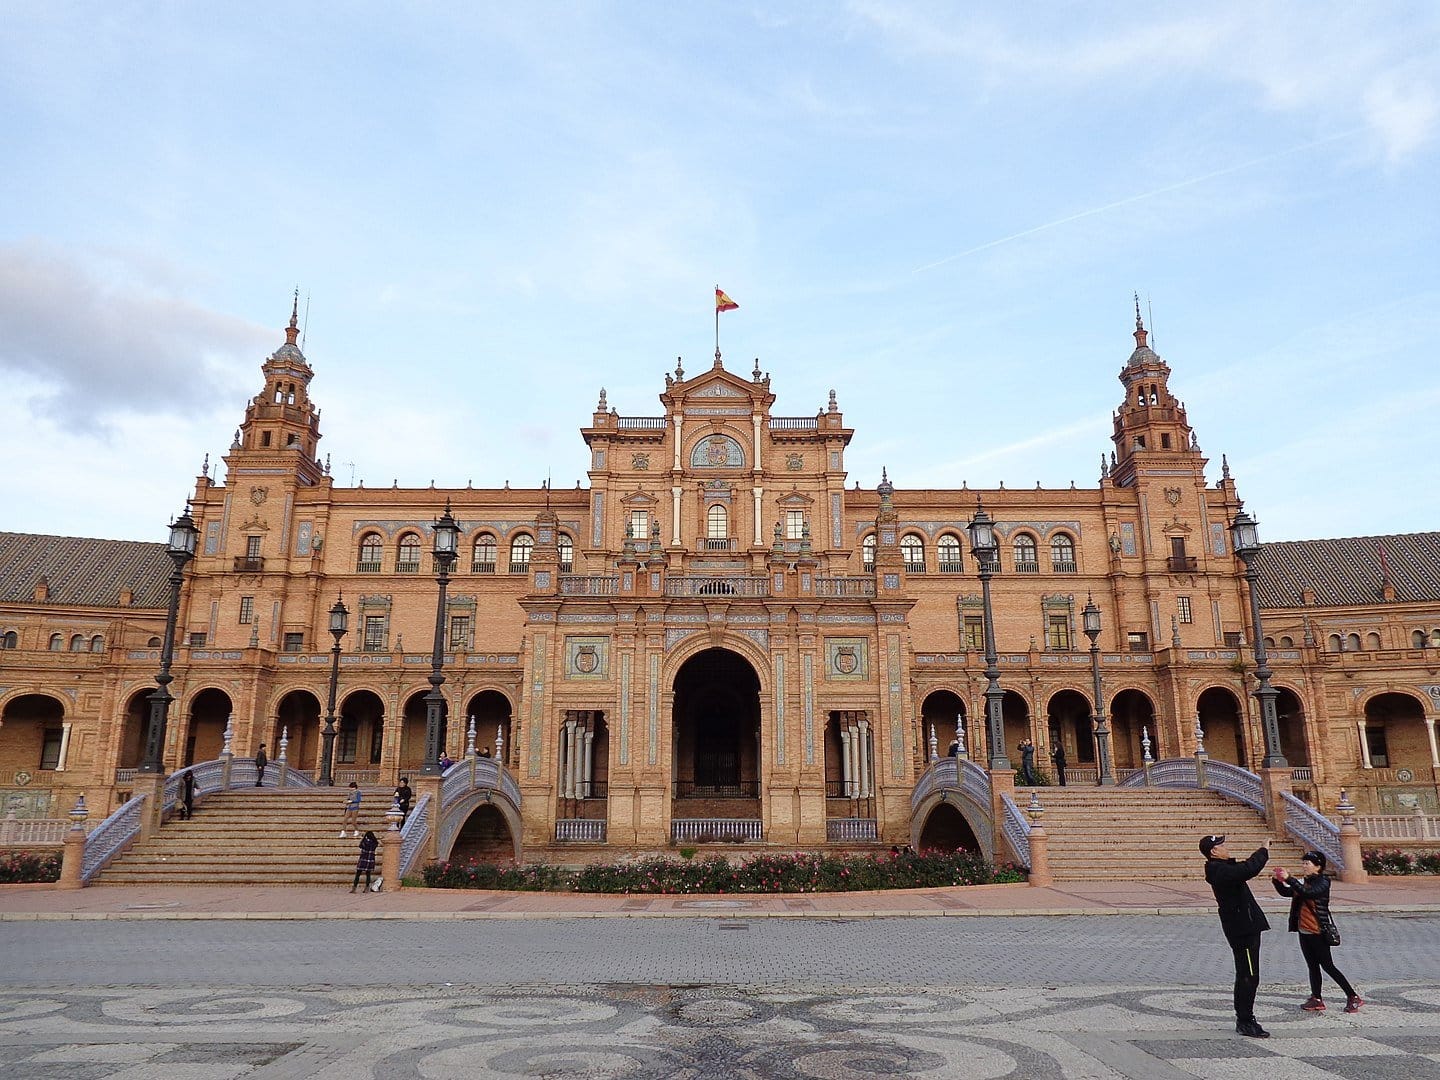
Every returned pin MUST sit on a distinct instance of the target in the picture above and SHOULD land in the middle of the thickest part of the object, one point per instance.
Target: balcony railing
(519, 567)
(1026, 566)
(914, 568)
(1181, 564)
(249, 564)
(407, 567)
(794, 423)
(589, 585)
(739, 789)
(717, 586)
(717, 830)
(952, 568)
(483, 567)
(1062, 566)
(579, 831)
(716, 543)
(841, 829)
(368, 566)
(641, 423)
(844, 586)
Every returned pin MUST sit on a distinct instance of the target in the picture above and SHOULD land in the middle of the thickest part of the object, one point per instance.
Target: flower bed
(797, 873)
(1395, 861)
(17, 867)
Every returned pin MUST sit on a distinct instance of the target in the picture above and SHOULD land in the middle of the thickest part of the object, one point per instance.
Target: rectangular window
(1186, 615)
(639, 525)
(50, 749)
(459, 631)
(1234, 639)
(295, 642)
(247, 610)
(975, 632)
(794, 524)
(197, 640)
(1137, 641)
(374, 639)
(1057, 633)
(252, 547)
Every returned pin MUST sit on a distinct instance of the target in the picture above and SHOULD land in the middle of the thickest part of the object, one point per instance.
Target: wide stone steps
(255, 837)
(1131, 834)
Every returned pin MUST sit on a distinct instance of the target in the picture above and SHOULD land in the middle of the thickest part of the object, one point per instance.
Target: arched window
(97, 644)
(1417, 639)
(407, 558)
(1269, 642)
(1287, 642)
(867, 552)
(947, 549)
(372, 551)
(1352, 642)
(567, 554)
(1026, 560)
(11, 640)
(77, 643)
(520, 549)
(153, 643)
(1435, 638)
(482, 559)
(1372, 641)
(1334, 643)
(57, 643)
(1062, 554)
(717, 523)
(912, 549)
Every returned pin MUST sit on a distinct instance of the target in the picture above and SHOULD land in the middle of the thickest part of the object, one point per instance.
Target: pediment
(638, 498)
(717, 388)
(796, 498)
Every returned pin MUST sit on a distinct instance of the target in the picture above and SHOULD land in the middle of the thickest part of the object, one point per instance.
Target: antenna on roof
(351, 464)
(1149, 311)
(305, 327)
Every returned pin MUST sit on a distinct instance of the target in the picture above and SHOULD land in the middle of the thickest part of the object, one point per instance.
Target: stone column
(1364, 746)
(390, 846)
(1430, 731)
(1040, 876)
(847, 770)
(1354, 872)
(759, 494)
(675, 495)
(587, 770)
(866, 764)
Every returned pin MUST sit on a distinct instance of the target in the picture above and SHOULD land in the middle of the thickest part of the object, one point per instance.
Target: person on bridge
(1309, 893)
(1242, 921)
(261, 760)
(366, 863)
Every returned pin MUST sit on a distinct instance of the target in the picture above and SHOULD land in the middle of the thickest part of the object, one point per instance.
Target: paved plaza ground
(128, 991)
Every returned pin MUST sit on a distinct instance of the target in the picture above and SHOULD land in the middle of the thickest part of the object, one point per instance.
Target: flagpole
(717, 324)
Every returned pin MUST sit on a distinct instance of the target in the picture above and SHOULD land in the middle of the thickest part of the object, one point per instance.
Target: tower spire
(1140, 333)
(292, 332)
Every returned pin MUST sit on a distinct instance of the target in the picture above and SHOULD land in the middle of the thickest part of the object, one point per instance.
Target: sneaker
(1313, 1004)
(354, 834)
(1353, 1005)
(342, 834)
(1251, 1029)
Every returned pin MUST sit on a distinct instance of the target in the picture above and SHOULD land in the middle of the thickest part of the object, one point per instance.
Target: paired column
(577, 760)
(857, 751)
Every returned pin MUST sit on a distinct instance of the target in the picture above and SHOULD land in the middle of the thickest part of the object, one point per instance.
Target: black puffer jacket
(1240, 914)
(1316, 889)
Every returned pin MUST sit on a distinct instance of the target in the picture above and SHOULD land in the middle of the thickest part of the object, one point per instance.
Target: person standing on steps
(187, 795)
(261, 760)
(1242, 922)
(366, 863)
(1058, 756)
(1027, 763)
(403, 795)
(1309, 893)
(351, 820)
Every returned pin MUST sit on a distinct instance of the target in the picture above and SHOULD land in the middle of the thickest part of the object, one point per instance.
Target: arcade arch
(716, 734)
(1218, 710)
(205, 727)
(32, 733)
(1132, 713)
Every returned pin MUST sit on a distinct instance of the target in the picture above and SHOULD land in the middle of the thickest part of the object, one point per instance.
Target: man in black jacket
(1242, 921)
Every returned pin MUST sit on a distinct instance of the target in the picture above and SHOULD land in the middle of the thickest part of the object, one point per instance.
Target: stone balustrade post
(1350, 850)
(1276, 784)
(1040, 876)
(72, 861)
(390, 850)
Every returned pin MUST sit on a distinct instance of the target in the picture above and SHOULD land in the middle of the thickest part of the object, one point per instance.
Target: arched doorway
(32, 734)
(1016, 711)
(491, 712)
(716, 765)
(1068, 714)
(360, 738)
(943, 712)
(1220, 718)
(1132, 714)
(1395, 733)
(947, 830)
(412, 733)
(485, 837)
(205, 730)
(298, 717)
(1293, 744)
(132, 731)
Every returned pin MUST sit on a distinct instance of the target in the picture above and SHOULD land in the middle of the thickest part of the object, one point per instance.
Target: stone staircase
(1120, 834)
(255, 837)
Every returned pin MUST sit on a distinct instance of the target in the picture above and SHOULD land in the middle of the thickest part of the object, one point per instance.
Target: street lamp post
(985, 548)
(1091, 617)
(339, 623)
(447, 541)
(1245, 535)
(181, 549)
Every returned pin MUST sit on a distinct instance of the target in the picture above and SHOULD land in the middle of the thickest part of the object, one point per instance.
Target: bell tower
(1150, 425)
(281, 420)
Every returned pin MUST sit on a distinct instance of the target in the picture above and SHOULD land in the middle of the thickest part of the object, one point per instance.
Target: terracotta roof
(1349, 571)
(81, 571)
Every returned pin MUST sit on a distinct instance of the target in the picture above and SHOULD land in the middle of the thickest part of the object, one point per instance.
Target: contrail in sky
(1138, 198)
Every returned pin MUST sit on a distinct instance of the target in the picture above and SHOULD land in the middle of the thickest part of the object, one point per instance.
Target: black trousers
(1316, 951)
(1247, 974)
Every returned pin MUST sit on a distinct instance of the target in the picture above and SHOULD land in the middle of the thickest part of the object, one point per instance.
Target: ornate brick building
(717, 633)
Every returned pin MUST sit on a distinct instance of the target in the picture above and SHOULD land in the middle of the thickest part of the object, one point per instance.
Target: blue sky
(939, 211)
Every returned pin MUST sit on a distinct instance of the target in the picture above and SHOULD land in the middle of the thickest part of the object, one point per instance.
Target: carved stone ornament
(794, 462)
(587, 659)
(259, 494)
(640, 462)
(846, 660)
(255, 523)
(1172, 496)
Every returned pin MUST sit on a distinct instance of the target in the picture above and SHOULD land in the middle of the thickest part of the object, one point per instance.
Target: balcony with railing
(696, 585)
(1027, 566)
(589, 584)
(794, 423)
(640, 423)
(1063, 566)
(367, 566)
(521, 566)
(717, 543)
(845, 587)
(483, 567)
(407, 568)
(952, 567)
(1181, 564)
(249, 564)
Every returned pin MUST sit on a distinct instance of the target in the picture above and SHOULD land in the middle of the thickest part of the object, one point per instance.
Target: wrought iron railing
(367, 566)
(1308, 825)
(717, 830)
(842, 829)
(794, 423)
(482, 566)
(414, 832)
(1302, 774)
(580, 831)
(717, 586)
(112, 836)
(738, 789)
(1062, 566)
(1017, 831)
(843, 587)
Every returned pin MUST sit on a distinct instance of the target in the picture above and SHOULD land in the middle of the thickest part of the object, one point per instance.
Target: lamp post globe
(445, 549)
(1245, 538)
(339, 625)
(181, 549)
(985, 548)
(1090, 620)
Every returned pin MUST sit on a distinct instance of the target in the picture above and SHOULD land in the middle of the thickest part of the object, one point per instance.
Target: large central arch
(716, 722)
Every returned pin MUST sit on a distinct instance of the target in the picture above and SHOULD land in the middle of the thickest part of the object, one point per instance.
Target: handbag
(1332, 934)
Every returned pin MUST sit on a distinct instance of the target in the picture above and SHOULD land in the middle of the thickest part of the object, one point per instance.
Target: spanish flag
(723, 302)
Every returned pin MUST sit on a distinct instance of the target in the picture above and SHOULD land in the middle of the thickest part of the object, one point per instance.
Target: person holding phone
(1309, 893)
(1241, 920)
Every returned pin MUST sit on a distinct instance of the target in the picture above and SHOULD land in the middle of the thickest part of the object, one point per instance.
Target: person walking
(261, 760)
(1027, 763)
(1242, 922)
(1058, 756)
(1309, 893)
(187, 795)
(403, 795)
(351, 820)
(366, 863)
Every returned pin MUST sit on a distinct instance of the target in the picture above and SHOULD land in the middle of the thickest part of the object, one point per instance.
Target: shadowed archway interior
(717, 727)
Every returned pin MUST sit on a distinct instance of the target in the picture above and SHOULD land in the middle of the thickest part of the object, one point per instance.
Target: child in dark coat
(366, 863)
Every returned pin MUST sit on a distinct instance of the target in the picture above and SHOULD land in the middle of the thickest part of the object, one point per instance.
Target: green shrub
(799, 872)
(18, 867)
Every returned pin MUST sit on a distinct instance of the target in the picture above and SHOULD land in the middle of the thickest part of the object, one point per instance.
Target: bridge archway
(483, 826)
(945, 829)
